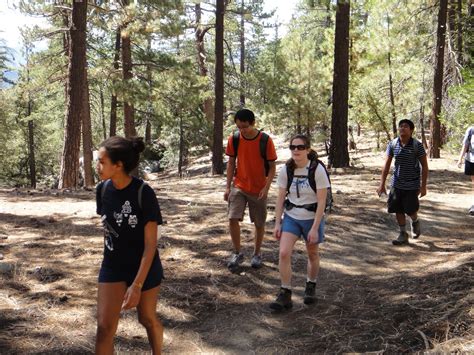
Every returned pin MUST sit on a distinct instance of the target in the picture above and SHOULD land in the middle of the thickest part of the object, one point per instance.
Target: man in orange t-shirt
(248, 184)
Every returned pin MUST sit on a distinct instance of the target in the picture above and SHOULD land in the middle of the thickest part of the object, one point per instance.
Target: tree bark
(242, 53)
(459, 33)
(390, 80)
(31, 149)
(113, 100)
(338, 153)
(207, 106)
(435, 125)
(69, 173)
(87, 137)
(128, 109)
(217, 147)
(102, 113)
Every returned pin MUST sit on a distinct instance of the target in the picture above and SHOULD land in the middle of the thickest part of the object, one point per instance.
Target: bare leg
(259, 234)
(287, 242)
(234, 226)
(147, 317)
(109, 303)
(401, 219)
(313, 260)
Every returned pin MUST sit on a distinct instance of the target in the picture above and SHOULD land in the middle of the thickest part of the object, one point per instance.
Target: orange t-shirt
(250, 176)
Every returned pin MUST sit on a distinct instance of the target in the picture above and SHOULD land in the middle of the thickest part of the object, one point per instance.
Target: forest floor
(371, 296)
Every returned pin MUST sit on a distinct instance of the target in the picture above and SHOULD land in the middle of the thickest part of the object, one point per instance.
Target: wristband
(139, 285)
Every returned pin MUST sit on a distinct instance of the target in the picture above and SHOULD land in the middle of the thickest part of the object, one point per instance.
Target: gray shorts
(239, 199)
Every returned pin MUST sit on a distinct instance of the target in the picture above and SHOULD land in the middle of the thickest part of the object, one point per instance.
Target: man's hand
(132, 297)
(422, 191)
(263, 194)
(381, 190)
(226, 194)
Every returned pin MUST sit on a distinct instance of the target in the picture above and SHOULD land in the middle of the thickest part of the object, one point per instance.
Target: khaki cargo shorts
(238, 201)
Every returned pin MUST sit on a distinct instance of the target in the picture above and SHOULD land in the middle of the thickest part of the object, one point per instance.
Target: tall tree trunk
(422, 111)
(390, 81)
(113, 100)
(149, 111)
(69, 174)
(435, 125)
(459, 33)
(102, 112)
(31, 149)
(339, 154)
(207, 106)
(128, 110)
(31, 126)
(242, 53)
(181, 146)
(217, 147)
(87, 137)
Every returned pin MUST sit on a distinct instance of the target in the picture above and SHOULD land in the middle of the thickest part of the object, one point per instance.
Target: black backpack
(263, 148)
(290, 173)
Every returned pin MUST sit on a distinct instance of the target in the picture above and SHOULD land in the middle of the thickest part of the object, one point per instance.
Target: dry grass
(372, 297)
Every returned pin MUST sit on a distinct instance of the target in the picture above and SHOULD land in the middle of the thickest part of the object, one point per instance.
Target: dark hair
(126, 150)
(307, 142)
(408, 122)
(244, 115)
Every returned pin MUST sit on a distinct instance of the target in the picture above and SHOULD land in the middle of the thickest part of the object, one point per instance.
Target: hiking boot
(310, 293)
(235, 260)
(283, 300)
(256, 262)
(415, 227)
(402, 239)
(471, 211)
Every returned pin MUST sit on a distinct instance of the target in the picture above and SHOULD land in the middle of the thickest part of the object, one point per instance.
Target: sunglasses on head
(299, 147)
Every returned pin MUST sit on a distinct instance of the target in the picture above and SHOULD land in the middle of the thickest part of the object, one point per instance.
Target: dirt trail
(372, 297)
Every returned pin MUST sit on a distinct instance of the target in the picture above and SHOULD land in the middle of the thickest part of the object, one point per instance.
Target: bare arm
(313, 235)
(271, 175)
(424, 175)
(386, 169)
(132, 296)
(464, 150)
(230, 177)
(279, 212)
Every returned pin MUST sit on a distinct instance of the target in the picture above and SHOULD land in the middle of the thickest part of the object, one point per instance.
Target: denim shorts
(153, 279)
(301, 228)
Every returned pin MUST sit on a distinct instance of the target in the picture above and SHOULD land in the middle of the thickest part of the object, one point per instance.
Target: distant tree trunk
(422, 112)
(66, 42)
(87, 137)
(338, 153)
(217, 148)
(102, 113)
(69, 173)
(390, 80)
(459, 33)
(31, 150)
(149, 111)
(31, 125)
(207, 105)
(128, 109)
(435, 126)
(113, 100)
(358, 129)
(181, 147)
(242, 53)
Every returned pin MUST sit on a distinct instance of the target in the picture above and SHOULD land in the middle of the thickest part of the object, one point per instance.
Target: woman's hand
(313, 236)
(132, 297)
(277, 232)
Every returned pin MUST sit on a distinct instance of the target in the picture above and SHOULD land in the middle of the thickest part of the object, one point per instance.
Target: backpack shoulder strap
(393, 143)
(235, 142)
(140, 193)
(103, 188)
(415, 147)
(290, 173)
(263, 145)
(311, 171)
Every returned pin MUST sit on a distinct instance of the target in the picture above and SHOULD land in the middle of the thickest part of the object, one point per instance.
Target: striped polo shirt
(407, 169)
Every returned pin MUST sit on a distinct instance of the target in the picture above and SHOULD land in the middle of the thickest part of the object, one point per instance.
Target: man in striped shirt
(405, 184)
